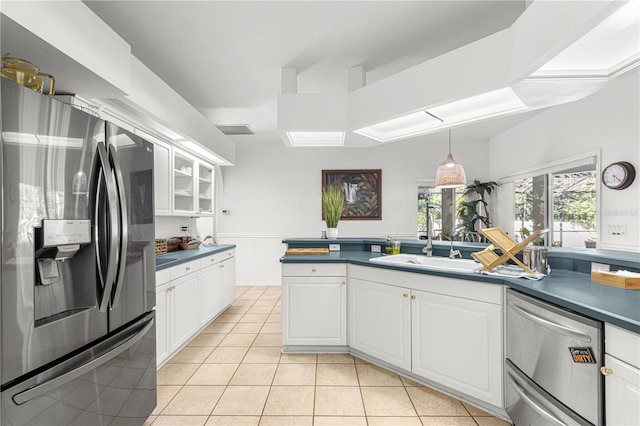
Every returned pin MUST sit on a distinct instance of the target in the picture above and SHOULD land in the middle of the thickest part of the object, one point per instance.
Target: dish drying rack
(509, 248)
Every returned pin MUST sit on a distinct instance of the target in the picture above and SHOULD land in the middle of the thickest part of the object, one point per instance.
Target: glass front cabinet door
(205, 189)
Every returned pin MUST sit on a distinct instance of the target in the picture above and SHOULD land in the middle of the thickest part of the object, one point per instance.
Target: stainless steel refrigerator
(77, 290)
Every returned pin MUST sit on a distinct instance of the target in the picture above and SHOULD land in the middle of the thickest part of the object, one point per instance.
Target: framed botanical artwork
(362, 190)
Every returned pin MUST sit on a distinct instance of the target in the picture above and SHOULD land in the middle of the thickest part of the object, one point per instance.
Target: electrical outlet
(334, 247)
(376, 248)
(618, 229)
(599, 267)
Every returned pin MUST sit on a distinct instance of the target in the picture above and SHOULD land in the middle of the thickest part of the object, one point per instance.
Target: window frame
(507, 182)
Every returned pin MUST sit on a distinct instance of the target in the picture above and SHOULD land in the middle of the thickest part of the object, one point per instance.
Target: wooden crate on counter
(615, 280)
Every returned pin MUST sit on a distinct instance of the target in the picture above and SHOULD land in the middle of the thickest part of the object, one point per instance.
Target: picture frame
(362, 190)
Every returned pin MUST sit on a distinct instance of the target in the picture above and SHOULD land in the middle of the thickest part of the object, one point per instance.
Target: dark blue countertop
(568, 285)
(168, 260)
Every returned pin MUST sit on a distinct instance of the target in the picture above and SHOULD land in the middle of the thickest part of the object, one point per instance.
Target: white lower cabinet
(176, 319)
(185, 295)
(162, 323)
(380, 321)
(228, 267)
(212, 292)
(189, 297)
(446, 330)
(314, 302)
(458, 343)
(622, 379)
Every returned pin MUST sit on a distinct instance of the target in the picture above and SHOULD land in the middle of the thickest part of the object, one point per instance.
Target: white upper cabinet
(162, 179)
(183, 184)
(205, 189)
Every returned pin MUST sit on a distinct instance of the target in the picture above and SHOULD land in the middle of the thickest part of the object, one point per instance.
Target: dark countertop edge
(183, 256)
(614, 257)
(526, 286)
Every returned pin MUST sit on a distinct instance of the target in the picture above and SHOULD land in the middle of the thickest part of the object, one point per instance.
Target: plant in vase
(332, 204)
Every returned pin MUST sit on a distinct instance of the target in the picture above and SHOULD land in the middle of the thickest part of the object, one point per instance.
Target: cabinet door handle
(212, 260)
(413, 297)
(222, 266)
(313, 270)
(606, 371)
(343, 283)
(188, 268)
(405, 295)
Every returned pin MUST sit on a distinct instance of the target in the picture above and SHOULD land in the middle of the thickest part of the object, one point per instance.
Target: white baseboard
(258, 284)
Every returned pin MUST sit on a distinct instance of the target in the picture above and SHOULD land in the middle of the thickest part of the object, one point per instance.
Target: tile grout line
(279, 363)
(236, 370)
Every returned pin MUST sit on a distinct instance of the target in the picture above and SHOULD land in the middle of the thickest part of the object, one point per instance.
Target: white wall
(607, 121)
(274, 192)
(169, 226)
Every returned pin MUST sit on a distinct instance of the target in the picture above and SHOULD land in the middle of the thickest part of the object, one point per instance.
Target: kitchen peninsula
(396, 315)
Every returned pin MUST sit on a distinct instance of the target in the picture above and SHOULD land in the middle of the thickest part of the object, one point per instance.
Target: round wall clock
(618, 175)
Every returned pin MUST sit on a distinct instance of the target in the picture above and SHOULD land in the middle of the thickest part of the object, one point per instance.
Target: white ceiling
(225, 57)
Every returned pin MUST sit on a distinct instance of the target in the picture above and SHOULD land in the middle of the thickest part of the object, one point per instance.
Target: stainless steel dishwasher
(553, 360)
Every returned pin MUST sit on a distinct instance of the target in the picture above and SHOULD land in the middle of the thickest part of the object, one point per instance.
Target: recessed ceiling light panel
(491, 104)
(607, 50)
(316, 138)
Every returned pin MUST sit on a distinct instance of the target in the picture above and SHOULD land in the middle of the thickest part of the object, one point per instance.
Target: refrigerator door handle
(131, 337)
(553, 326)
(124, 232)
(101, 168)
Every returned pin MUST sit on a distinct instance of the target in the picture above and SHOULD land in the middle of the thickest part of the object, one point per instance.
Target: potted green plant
(476, 209)
(332, 204)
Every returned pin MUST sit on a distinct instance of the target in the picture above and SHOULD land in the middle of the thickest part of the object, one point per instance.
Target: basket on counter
(161, 246)
(190, 245)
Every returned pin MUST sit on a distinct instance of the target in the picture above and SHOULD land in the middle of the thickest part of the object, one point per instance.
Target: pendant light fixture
(450, 174)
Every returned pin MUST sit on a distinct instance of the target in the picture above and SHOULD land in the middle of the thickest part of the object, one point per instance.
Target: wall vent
(235, 129)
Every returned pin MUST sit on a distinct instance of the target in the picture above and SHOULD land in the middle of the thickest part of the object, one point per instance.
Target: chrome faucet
(453, 253)
(428, 249)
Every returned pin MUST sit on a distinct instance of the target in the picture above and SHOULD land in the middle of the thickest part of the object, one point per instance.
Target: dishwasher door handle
(533, 402)
(559, 328)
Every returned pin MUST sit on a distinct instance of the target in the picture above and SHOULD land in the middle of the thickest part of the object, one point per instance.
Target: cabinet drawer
(314, 270)
(163, 276)
(467, 289)
(622, 344)
(184, 269)
(215, 258)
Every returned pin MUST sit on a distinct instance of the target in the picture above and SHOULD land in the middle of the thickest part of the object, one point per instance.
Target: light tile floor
(233, 373)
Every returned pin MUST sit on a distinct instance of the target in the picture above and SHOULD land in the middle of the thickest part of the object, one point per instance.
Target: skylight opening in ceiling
(487, 105)
(611, 48)
(316, 138)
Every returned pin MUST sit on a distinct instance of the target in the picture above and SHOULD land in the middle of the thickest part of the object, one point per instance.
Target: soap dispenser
(388, 248)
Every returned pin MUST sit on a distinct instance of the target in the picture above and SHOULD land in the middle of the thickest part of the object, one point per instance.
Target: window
(442, 204)
(564, 202)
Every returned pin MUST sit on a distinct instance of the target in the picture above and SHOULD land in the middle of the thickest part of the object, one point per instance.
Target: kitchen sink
(425, 262)
(163, 260)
